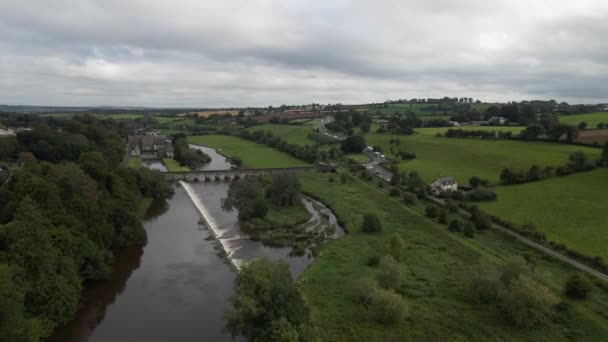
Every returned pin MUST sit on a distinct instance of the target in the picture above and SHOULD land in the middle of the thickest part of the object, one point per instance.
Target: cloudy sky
(256, 52)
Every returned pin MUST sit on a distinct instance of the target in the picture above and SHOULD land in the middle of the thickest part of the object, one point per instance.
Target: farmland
(253, 155)
(293, 134)
(463, 158)
(436, 270)
(432, 131)
(592, 119)
(571, 210)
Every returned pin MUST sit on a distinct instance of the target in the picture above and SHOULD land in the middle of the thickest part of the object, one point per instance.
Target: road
(319, 124)
(380, 172)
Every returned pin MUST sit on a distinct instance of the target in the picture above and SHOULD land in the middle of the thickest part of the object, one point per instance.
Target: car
(369, 167)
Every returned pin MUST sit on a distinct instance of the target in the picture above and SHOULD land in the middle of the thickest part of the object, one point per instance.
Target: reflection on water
(155, 165)
(218, 162)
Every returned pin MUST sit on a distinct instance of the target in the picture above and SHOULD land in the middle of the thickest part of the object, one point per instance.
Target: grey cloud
(229, 53)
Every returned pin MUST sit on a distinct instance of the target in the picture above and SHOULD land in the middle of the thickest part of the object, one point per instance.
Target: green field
(253, 155)
(592, 119)
(175, 121)
(173, 166)
(463, 158)
(572, 210)
(121, 116)
(359, 157)
(293, 134)
(436, 268)
(134, 162)
(434, 130)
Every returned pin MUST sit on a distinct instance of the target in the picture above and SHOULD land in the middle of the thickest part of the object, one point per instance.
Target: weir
(225, 243)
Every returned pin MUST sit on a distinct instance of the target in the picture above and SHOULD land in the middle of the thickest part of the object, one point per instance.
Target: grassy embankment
(173, 166)
(463, 158)
(253, 155)
(436, 268)
(571, 210)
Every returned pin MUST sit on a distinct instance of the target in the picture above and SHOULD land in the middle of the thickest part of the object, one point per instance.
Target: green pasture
(436, 267)
(293, 134)
(173, 166)
(464, 158)
(572, 210)
(253, 155)
(592, 119)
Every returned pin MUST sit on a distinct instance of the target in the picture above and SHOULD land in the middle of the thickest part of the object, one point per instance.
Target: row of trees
(577, 162)
(61, 215)
(307, 153)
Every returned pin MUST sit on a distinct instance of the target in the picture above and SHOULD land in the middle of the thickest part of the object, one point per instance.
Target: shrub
(481, 219)
(527, 303)
(455, 226)
(409, 198)
(443, 217)
(431, 211)
(371, 223)
(484, 285)
(512, 269)
(578, 286)
(394, 192)
(476, 181)
(481, 194)
(364, 290)
(388, 307)
(389, 275)
(397, 246)
(469, 231)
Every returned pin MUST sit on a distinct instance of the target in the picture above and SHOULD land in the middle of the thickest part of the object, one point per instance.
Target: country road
(384, 174)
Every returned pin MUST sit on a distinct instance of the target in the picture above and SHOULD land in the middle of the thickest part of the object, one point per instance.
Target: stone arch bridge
(220, 175)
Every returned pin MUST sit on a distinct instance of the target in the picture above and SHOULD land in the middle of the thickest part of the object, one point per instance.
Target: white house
(498, 120)
(444, 184)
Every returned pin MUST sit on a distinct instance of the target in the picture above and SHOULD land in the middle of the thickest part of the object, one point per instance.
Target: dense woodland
(67, 206)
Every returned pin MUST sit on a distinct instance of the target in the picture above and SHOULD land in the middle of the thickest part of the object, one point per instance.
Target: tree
(15, 325)
(371, 223)
(578, 286)
(443, 217)
(389, 273)
(267, 305)
(527, 303)
(476, 181)
(397, 246)
(512, 269)
(532, 132)
(582, 126)
(604, 158)
(579, 161)
(248, 197)
(469, 231)
(353, 144)
(409, 198)
(481, 219)
(285, 189)
(388, 307)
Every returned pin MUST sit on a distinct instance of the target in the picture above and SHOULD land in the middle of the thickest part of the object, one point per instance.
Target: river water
(177, 286)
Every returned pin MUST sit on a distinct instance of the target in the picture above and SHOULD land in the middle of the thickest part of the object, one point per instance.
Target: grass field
(463, 158)
(572, 210)
(253, 155)
(293, 134)
(592, 119)
(134, 162)
(359, 157)
(436, 268)
(173, 166)
(121, 116)
(434, 130)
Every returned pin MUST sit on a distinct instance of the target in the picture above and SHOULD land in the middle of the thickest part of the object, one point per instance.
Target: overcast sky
(251, 52)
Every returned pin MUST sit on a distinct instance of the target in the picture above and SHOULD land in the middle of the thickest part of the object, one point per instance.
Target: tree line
(66, 208)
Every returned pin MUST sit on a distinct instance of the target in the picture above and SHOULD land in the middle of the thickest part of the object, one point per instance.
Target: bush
(526, 303)
(513, 269)
(364, 290)
(443, 217)
(388, 307)
(455, 226)
(476, 181)
(578, 286)
(481, 219)
(409, 198)
(371, 223)
(469, 231)
(431, 211)
(394, 192)
(484, 285)
(481, 194)
(380, 184)
(389, 275)
(397, 246)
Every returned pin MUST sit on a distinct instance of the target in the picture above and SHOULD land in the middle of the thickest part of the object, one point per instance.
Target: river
(177, 286)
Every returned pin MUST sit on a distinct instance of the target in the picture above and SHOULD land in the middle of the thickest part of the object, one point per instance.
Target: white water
(227, 244)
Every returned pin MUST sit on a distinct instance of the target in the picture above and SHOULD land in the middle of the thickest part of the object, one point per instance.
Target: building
(498, 120)
(148, 143)
(442, 185)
